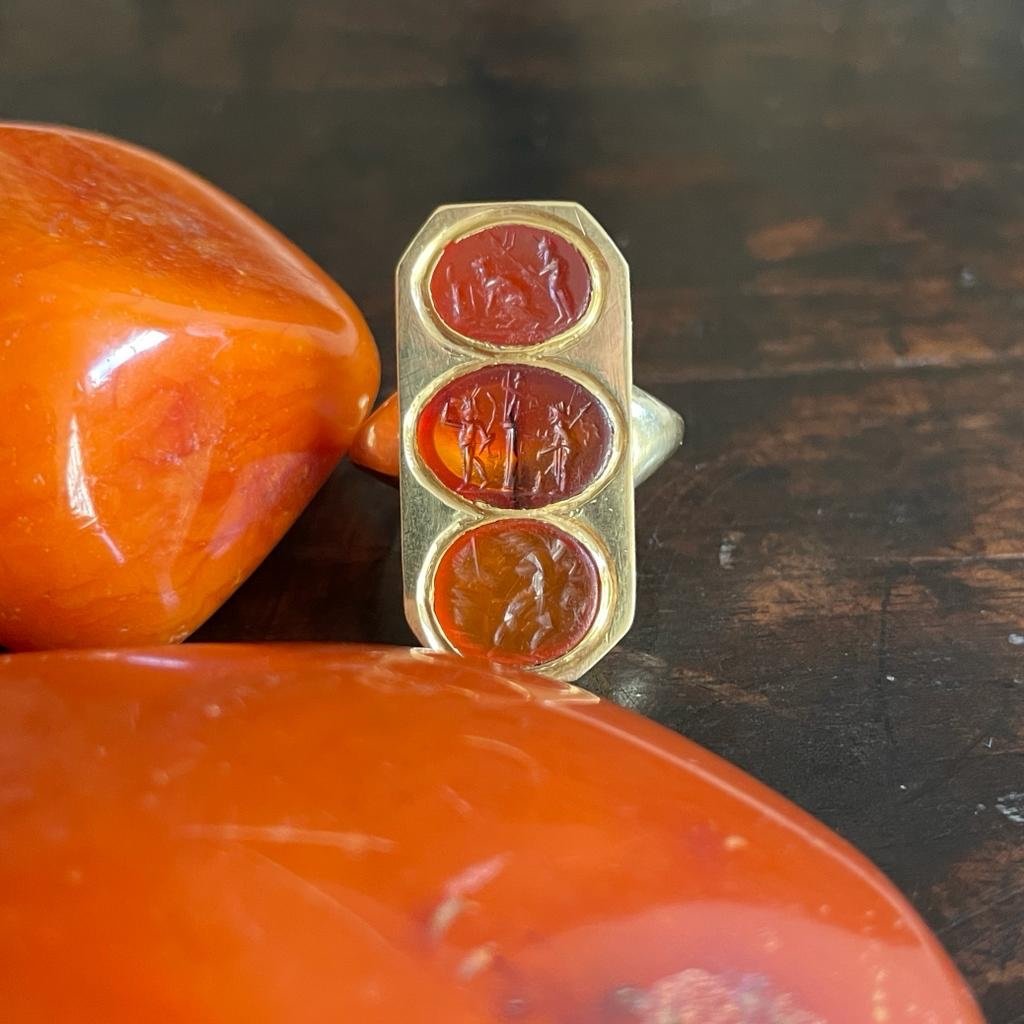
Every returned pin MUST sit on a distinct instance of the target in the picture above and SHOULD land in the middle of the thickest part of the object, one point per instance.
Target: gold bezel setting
(481, 222)
(562, 667)
(428, 478)
(594, 352)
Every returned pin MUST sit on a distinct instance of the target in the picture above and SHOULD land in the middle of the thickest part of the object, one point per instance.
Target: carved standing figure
(554, 271)
(526, 612)
(473, 434)
(561, 422)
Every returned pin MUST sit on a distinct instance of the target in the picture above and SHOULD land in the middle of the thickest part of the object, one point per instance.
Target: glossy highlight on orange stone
(176, 380)
(514, 436)
(518, 591)
(511, 284)
(315, 835)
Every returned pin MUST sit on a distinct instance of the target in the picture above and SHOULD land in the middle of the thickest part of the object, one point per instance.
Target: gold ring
(520, 436)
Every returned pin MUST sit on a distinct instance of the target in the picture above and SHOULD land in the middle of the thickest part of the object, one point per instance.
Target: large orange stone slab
(344, 834)
(176, 381)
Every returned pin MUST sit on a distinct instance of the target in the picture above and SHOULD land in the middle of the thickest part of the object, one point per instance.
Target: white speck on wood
(727, 548)
(1011, 806)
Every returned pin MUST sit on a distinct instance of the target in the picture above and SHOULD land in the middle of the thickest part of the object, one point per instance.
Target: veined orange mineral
(347, 835)
(176, 381)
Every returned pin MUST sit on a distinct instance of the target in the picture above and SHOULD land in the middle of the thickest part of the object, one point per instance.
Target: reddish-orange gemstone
(375, 446)
(512, 284)
(514, 436)
(518, 591)
(348, 835)
(176, 381)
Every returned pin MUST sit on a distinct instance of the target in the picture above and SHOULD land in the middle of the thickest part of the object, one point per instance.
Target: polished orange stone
(375, 446)
(518, 591)
(511, 284)
(514, 436)
(176, 381)
(333, 835)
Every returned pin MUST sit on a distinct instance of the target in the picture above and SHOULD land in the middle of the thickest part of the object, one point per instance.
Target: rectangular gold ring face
(514, 383)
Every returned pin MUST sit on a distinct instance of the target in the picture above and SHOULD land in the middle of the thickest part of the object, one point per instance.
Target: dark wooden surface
(823, 206)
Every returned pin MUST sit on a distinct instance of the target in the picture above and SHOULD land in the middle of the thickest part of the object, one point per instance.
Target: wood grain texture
(823, 207)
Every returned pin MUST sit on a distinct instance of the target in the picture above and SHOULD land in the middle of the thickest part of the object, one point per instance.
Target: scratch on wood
(882, 680)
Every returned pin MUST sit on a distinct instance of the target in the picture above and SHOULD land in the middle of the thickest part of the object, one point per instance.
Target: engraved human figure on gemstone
(526, 614)
(511, 284)
(554, 269)
(519, 590)
(474, 434)
(504, 299)
(514, 436)
(562, 422)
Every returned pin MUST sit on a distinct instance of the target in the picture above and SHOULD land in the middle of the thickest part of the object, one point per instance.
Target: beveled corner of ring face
(517, 600)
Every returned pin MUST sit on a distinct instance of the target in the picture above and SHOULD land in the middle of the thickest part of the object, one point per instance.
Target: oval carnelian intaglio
(511, 284)
(518, 591)
(514, 435)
